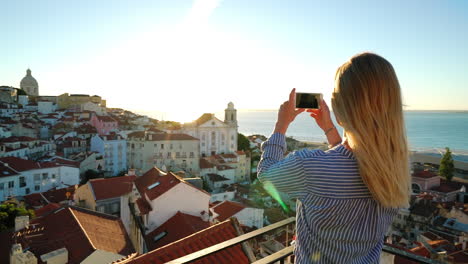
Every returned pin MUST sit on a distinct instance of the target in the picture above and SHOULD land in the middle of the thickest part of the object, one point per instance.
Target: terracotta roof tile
(46, 209)
(227, 209)
(79, 230)
(424, 174)
(106, 188)
(164, 182)
(17, 139)
(449, 186)
(208, 237)
(52, 195)
(143, 206)
(205, 164)
(105, 118)
(177, 227)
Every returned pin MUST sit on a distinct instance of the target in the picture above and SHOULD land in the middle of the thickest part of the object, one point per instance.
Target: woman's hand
(322, 116)
(287, 113)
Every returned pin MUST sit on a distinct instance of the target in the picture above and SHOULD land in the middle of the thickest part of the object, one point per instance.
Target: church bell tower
(230, 115)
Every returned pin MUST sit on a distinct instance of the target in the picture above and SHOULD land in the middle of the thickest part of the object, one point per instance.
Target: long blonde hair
(367, 103)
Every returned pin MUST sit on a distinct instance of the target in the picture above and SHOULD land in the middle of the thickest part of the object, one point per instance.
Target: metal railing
(282, 255)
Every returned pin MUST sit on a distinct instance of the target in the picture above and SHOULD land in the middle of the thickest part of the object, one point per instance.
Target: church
(216, 136)
(29, 84)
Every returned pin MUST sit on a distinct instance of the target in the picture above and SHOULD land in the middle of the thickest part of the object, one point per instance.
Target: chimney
(17, 256)
(131, 172)
(59, 256)
(21, 222)
(150, 137)
(204, 216)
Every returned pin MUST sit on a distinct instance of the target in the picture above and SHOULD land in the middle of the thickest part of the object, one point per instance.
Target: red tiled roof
(143, 206)
(154, 175)
(106, 188)
(20, 164)
(224, 167)
(204, 164)
(166, 182)
(228, 156)
(216, 177)
(106, 118)
(208, 237)
(46, 209)
(177, 227)
(17, 139)
(424, 174)
(227, 209)
(161, 136)
(79, 230)
(240, 152)
(449, 186)
(52, 195)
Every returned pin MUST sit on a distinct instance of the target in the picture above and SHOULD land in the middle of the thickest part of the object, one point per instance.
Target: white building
(216, 136)
(114, 149)
(162, 195)
(146, 149)
(25, 147)
(20, 177)
(46, 107)
(248, 216)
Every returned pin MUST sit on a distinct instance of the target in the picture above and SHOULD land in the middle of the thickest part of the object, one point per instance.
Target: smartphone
(308, 100)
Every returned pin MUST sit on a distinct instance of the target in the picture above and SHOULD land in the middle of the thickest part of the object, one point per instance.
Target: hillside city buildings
(111, 186)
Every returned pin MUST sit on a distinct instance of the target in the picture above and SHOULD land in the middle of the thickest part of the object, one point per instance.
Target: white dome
(230, 105)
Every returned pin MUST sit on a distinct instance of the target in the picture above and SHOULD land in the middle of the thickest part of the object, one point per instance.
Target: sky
(177, 59)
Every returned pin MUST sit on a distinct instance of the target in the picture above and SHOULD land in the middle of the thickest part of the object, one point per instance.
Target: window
(115, 207)
(37, 188)
(177, 154)
(22, 182)
(2, 186)
(170, 146)
(37, 177)
(155, 145)
(44, 176)
(213, 136)
(11, 184)
(101, 208)
(28, 191)
(168, 154)
(162, 146)
(191, 154)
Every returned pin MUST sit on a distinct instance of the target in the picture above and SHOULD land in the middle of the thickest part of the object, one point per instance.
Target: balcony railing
(282, 255)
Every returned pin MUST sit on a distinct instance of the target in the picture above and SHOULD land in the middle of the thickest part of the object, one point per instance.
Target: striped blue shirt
(338, 221)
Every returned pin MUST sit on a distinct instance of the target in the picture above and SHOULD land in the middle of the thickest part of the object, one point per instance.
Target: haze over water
(425, 129)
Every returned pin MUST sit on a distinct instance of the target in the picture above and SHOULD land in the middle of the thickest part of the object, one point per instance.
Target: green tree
(242, 142)
(90, 174)
(9, 211)
(447, 168)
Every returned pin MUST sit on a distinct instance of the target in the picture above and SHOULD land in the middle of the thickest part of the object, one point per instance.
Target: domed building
(29, 84)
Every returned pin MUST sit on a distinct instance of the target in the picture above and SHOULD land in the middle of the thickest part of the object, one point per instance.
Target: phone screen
(307, 100)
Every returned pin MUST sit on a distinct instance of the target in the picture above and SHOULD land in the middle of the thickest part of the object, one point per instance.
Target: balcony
(284, 255)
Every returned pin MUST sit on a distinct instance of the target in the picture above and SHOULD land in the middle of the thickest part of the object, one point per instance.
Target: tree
(90, 174)
(9, 211)
(243, 142)
(447, 168)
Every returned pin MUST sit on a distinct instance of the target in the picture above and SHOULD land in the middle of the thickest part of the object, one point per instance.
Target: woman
(348, 195)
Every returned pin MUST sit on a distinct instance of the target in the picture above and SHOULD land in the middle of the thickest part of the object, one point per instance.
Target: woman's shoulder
(338, 152)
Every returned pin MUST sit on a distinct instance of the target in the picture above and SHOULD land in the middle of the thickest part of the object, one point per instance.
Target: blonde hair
(367, 103)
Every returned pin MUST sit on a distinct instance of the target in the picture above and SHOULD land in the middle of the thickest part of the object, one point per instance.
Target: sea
(427, 131)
